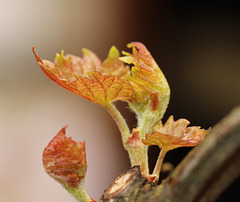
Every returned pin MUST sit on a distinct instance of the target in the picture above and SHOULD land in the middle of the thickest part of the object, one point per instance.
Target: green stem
(79, 192)
(139, 156)
(158, 166)
(144, 126)
(138, 153)
(120, 121)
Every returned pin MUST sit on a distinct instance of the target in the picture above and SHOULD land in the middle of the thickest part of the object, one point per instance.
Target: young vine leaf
(65, 160)
(146, 76)
(174, 134)
(87, 77)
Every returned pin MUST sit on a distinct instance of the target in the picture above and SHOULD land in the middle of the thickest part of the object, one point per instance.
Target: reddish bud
(65, 160)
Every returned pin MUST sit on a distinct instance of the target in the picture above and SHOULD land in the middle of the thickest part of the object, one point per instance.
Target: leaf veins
(72, 73)
(174, 134)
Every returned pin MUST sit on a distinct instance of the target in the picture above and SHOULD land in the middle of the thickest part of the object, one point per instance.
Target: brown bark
(205, 172)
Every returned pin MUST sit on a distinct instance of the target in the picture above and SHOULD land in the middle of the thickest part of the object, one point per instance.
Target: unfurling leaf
(87, 77)
(151, 90)
(174, 134)
(65, 160)
(146, 76)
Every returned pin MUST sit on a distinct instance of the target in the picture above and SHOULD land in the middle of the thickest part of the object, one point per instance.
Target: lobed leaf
(151, 90)
(146, 76)
(174, 134)
(65, 160)
(86, 76)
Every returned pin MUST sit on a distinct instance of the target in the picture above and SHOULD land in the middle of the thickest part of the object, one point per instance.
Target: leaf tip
(39, 60)
(113, 52)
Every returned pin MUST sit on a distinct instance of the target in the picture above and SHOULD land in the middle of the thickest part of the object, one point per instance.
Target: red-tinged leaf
(65, 160)
(103, 89)
(83, 76)
(174, 134)
(146, 77)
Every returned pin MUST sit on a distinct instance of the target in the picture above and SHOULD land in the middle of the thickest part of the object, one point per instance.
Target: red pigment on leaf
(65, 160)
(88, 77)
(174, 134)
(146, 76)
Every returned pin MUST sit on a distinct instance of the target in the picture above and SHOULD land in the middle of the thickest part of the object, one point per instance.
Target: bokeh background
(197, 46)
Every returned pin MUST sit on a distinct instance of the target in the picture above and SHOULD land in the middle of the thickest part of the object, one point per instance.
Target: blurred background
(196, 44)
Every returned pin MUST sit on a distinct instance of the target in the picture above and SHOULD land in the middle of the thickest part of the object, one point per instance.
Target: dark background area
(197, 46)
